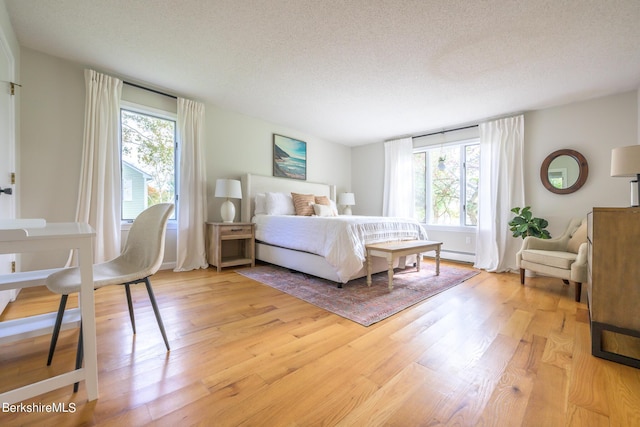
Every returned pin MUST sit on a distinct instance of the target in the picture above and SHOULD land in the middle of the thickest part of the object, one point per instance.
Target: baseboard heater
(455, 256)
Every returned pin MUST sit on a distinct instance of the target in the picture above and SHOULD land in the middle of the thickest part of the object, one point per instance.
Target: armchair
(564, 257)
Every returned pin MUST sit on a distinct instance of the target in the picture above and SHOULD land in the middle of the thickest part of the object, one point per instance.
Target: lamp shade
(625, 161)
(229, 188)
(346, 199)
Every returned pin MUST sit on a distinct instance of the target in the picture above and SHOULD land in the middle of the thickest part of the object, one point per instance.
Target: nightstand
(230, 244)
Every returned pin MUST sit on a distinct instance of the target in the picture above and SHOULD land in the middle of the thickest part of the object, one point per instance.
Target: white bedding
(340, 240)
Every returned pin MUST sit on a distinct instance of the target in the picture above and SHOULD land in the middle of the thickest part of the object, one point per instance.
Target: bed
(328, 247)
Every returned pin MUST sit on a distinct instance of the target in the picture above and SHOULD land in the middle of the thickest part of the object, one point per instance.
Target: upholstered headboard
(254, 184)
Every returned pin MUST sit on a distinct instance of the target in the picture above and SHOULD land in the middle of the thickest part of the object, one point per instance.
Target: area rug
(355, 300)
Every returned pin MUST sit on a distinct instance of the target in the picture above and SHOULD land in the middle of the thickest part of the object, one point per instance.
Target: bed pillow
(279, 204)
(303, 203)
(322, 210)
(261, 204)
(323, 200)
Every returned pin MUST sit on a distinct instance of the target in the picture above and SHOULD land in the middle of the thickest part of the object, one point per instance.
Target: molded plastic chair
(142, 257)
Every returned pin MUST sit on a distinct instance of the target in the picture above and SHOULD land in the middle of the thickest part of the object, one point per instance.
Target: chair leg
(156, 311)
(56, 328)
(578, 291)
(79, 356)
(131, 316)
(522, 276)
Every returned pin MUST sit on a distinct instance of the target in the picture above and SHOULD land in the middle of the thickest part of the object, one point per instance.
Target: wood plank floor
(486, 352)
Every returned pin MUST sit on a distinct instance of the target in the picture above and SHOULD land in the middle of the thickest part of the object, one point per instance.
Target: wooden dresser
(613, 287)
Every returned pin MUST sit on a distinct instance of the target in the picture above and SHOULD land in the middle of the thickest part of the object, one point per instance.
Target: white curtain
(192, 188)
(99, 192)
(501, 188)
(398, 178)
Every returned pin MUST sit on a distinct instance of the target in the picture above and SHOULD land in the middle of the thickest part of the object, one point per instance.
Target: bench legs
(391, 259)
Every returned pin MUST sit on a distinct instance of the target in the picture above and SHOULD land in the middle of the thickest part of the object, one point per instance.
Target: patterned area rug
(355, 300)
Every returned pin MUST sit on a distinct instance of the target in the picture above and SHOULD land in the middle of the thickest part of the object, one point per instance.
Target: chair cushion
(579, 237)
(551, 258)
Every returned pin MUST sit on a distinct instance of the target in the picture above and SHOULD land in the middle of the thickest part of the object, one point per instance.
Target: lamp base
(228, 211)
(346, 211)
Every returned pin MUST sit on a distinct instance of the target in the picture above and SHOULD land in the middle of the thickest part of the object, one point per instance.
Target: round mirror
(564, 171)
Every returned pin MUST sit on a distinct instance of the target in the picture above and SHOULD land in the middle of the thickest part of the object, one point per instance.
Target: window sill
(450, 228)
(172, 224)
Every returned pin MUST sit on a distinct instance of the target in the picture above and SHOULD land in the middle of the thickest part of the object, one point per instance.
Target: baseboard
(455, 256)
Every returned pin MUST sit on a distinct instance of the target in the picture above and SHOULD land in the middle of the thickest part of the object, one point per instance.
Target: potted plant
(525, 224)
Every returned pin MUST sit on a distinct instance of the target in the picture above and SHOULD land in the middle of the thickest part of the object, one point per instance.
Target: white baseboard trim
(168, 265)
(456, 256)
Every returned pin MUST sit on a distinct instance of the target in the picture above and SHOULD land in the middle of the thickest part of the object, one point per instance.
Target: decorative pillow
(322, 210)
(303, 203)
(578, 238)
(261, 204)
(323, 200)
(279, 204)
(334, 208)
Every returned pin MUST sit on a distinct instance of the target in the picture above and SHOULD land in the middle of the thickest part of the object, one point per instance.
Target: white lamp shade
(229, 188)
(625, 161)
(346, 199)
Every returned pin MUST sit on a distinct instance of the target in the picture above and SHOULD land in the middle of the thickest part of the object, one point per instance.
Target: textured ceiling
(351, 71)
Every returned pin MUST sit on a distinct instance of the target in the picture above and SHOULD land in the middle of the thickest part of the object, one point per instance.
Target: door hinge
(13, 178)
(13, 266)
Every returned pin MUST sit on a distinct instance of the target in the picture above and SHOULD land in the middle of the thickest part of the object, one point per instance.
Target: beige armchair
(564, 257)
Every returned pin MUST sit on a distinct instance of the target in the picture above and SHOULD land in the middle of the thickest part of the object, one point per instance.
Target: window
(148, 142)
(446, 183)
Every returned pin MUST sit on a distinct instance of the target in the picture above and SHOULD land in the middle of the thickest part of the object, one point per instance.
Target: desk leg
(438, 260)
(88, 314)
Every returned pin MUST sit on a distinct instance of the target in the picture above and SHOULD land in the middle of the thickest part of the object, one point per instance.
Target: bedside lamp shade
(625, 161)
(230, 189)
(347, 200)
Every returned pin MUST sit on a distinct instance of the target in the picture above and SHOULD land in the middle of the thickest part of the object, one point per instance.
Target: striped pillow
(303, 203)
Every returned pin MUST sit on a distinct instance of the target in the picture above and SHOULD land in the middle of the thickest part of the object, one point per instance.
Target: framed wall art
(289, 157)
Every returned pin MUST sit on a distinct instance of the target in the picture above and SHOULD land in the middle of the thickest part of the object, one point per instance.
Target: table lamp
(229, 188)
(347, 200)
(625, 161)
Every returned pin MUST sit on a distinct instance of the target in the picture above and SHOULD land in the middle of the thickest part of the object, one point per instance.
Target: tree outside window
(446, 184)
(148, 161)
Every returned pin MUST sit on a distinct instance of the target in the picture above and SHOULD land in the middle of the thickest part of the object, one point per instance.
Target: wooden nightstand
(230, 244)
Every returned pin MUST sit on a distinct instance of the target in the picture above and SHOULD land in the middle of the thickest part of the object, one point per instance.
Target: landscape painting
(289, 157)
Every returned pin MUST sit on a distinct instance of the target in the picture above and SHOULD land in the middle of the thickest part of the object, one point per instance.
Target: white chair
(141, 257)
(564, 257)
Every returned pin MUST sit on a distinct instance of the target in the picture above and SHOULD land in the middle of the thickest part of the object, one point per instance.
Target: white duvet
(340, 240)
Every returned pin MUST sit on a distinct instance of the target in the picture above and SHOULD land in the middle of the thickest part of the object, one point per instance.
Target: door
(7, 153)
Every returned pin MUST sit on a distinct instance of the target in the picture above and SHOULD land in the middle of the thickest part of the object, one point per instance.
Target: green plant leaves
(525, 224)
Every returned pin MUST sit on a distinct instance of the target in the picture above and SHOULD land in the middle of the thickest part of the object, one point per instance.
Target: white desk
(50, 237)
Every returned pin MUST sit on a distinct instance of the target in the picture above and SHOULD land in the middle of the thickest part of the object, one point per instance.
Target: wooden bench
(394, 250)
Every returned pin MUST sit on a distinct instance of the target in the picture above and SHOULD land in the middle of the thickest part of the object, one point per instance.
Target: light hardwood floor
(486, 352)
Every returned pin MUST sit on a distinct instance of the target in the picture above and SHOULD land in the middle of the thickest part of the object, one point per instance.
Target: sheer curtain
(192, 189)
(99, 191)
(398, 178)
(501, 188)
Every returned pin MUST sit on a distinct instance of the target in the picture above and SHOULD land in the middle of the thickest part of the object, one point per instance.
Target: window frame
(462, 143)
(160, 114)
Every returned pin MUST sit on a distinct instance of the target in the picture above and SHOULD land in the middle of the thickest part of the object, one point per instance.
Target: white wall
(591, 127)
(53, 122)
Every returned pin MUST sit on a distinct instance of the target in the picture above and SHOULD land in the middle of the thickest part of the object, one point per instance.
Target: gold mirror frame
(583, 168)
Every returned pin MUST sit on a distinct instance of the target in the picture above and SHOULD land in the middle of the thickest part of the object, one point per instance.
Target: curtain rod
(445, 131)
(149, 89)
